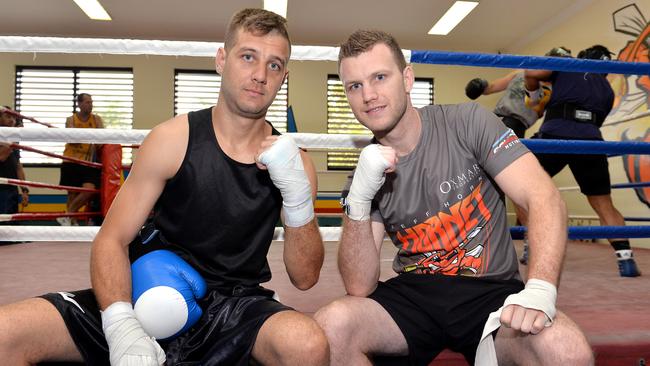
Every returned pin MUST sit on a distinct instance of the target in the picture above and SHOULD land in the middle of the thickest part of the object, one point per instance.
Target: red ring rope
(26, 183)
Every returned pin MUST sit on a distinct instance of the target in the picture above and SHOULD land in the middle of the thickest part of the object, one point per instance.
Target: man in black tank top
(217, 180)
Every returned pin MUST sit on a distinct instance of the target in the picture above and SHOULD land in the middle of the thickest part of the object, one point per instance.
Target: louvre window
(340, 119)
(194, 90)
(48, 94)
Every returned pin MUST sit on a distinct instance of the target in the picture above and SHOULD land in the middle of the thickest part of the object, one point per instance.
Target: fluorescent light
(277, 6)
(452, 17)
(93, 9)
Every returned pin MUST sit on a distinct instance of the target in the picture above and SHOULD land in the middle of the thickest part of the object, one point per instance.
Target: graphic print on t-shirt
(445, 242)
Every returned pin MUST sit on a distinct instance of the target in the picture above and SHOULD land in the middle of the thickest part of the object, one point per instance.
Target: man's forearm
(358, 258)
(547, 237)
(303, 254)
(110, 274)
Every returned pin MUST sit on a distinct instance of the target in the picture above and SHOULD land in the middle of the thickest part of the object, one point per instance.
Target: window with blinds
(340, 119)
(198, 89)
(48, 94)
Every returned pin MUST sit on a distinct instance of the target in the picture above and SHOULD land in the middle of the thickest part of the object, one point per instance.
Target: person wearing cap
(578, 106)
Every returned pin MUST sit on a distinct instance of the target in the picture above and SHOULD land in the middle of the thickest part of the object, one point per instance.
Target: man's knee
(561, 344)
(295, 340)
(569, 343)
(311, 346)
(336, 319)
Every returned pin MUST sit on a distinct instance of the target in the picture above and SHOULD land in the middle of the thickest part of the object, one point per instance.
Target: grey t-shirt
(441, 207)
(512, 103)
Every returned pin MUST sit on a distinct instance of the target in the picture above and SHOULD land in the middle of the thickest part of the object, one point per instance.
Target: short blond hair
(363, 40)
(256, 21)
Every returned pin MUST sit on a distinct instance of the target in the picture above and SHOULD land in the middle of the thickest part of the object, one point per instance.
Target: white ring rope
(87, 233)
(569, 188)
(111, 136)
(104, 46)
(115, 136)
(142, 47)
(75, 135)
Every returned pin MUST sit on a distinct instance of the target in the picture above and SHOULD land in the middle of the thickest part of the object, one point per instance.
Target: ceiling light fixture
(277, 6)
(93, 9)
(452, 17)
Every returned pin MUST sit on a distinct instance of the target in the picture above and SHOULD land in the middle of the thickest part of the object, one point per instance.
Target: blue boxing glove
(165, 289)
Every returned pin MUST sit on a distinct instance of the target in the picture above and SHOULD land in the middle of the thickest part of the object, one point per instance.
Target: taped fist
(281, 156)
(374, 162)
(475, 88)
(165, 289)
(128, 344)
(535, 308)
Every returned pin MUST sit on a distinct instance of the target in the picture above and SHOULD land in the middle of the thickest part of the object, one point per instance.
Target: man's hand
(128, 344)
(374, 162)
(281, 156)
(25, 197)
(532, 309)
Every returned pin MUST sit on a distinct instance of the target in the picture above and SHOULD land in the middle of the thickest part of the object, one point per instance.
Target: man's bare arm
(158, 159)
(500, 84)
(303, 246)
(358, 256)
(547, 216)
(533, 77)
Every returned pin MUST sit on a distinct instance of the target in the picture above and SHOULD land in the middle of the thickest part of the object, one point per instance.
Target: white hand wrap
(128, 344)
(534, 96)
(369, 176)
(539, 295)
(287, 172)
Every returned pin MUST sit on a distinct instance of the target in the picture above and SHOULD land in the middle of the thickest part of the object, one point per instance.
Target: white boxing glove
(287, 172)
(369, 176)
(539, 295)
(128, 344)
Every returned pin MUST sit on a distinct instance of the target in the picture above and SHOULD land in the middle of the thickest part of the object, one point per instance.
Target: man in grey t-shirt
(435, 182)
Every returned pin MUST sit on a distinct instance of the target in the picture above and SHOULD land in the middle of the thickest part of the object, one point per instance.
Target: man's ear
(220, 60)
(409, 78)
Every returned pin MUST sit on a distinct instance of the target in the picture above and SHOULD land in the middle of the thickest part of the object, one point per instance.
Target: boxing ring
(611, 310)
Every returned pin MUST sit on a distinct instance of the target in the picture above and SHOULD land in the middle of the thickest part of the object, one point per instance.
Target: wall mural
(633, 95)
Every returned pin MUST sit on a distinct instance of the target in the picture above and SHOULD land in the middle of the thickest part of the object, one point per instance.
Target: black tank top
(217, 213)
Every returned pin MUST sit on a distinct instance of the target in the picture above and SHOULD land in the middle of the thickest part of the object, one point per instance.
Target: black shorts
(225, 334)
(435, 312)
(518, 127)
(76, 175)
(591, 172)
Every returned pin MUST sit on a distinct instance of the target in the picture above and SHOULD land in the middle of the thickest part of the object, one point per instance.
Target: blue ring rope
(595, 232)
(630, 185)
(586, 146)
(529, 62)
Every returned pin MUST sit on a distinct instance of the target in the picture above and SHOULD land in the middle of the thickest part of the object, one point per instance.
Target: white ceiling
(495, 25)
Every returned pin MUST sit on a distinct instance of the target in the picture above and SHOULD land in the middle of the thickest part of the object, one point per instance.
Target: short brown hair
(363, 40)
(256, 21)
(81, 96)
